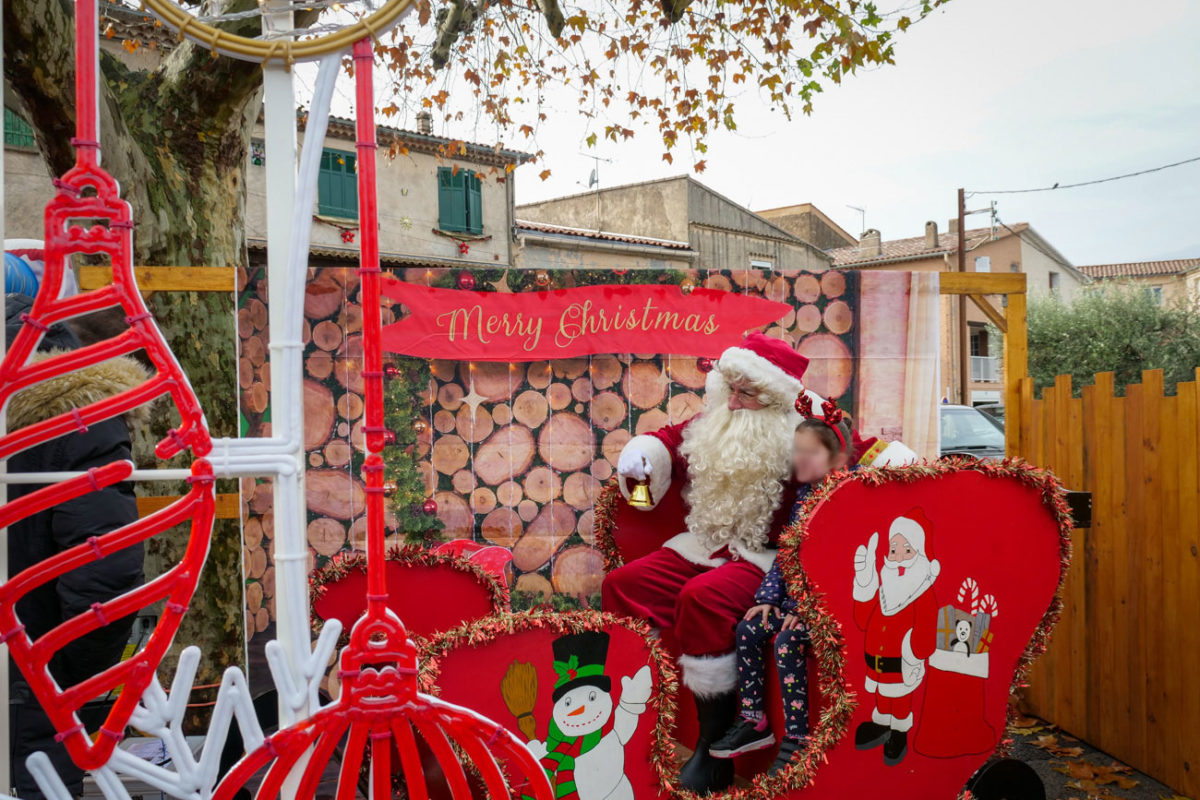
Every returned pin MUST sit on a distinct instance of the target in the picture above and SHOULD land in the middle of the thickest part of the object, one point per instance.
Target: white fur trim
(881, 719)
(935, 569)
(976, 664)
(896, 454)
(688, 545)
(911, 530)
(870, 685)
(895, 689)
(660, 466)
(763, 559)
(709, 676)
(902, 725)
(761, 372)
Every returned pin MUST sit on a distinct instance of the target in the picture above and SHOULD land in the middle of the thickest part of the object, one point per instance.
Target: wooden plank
(229, 506)
(1108, 527)
(1185, 774)
(1069, 463)
(1016, 367)
(1147, 621)
(1163, 685)
(1090, 566)
(165, 279)
(990, 311)
(1009, 283)
(1131, 686)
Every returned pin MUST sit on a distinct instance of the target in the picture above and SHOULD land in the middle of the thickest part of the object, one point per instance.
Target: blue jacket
(773, 591)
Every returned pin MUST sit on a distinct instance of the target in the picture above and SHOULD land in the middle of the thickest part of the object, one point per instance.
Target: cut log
(683, 407)
(319, 365)
(509, 493)
(542, 485)
(463, 482)
(443, 370)
(608, 411)
(502, 414)
(350, 319)
(252, 532)
(606, 371)
(450, 454)
(546, 533)
(327, 335)
(495, 380)
(444, 421)
(343, 429)
(685, 371)
(777, 289)
(326, 536)
(527, 509)
(245, 373)
(346, 277)
(830, 367)
(566, 442)
(580, 489)
(316, 460)
(538, 374)
(305, 332)
(586, 526)
(429, 396)
(788, 319)
(647, 384)
(323, 296)
(358, 439)
(350, 406)
(256, 310)
(581, 389)
(807, 288)
(244, 327)
(334, 493)
(258, 563)
(613, 444)
(450, 396)
(808, 319)
(262, 620)
(268, 523)
(254, 349)
(533, 583)
(651, 421)
(602, 470)
(833, 283)
(483, 500)
(838, 317)
(241, 280)
(570, 368)
(268, 582)
(507, 453)
(578, 571)
(502, 526)
(530, 408)
(559, 396)
(474, 427)
(338, 453)
(455, 514)
(319, 414)
(264, 373)
(348, 372)
(256, 398)
(719, 282)
(428, 476)
(263, 499)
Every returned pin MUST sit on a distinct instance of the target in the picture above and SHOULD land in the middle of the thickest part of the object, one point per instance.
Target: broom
(519, 688)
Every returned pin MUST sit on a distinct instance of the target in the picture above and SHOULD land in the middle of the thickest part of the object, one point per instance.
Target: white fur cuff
(902, 725)
(655, 452)
(896, 454)
(688, 546)
(709, 676)
(763, 559)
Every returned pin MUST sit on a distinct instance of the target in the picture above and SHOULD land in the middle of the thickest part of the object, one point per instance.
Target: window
(17, 132)
(1156, 294)
(337, 185)
(983, 264)
(1054, 281)
(979, 341)
(761, 263)
(460, 201)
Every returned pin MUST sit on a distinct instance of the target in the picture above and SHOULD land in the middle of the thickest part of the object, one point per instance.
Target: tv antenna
(862, 214)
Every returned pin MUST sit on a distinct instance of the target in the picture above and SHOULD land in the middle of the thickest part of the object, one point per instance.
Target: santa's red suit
(898, 613)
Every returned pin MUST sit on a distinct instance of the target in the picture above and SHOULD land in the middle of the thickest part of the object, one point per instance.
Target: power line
(1086, 183)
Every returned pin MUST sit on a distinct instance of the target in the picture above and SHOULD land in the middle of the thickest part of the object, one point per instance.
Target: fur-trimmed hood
(77, 389)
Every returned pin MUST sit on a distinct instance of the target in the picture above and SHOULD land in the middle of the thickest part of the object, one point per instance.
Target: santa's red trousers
(703, 605)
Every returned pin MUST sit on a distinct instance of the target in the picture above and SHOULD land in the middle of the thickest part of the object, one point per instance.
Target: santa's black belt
(883, 663)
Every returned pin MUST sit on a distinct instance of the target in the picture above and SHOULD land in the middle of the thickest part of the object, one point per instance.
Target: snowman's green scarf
(562, 750)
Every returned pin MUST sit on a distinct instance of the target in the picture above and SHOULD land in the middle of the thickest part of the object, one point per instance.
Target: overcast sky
(985, 94)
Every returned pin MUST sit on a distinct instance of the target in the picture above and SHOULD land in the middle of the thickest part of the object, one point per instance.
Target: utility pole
(964, 337)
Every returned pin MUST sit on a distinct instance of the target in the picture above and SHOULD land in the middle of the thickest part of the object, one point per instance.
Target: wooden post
(1016, 367)
(964, 336)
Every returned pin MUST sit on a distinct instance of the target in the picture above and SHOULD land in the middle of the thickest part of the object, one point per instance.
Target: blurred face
(811, 460)
(743, 394)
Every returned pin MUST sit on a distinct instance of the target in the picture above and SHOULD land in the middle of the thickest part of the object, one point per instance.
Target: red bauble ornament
(687, 286)
(465, 279)
(420, 426)
(542, 278)
(619, 272)
(430, 507)
(704, 364)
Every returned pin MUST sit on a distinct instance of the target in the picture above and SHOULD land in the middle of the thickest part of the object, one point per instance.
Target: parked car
(994, 412)
(967, 431)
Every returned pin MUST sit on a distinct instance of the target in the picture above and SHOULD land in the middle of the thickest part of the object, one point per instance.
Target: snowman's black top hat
(579, 661)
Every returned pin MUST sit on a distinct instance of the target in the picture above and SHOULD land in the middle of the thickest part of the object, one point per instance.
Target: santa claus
(735, 462)
(898, 612)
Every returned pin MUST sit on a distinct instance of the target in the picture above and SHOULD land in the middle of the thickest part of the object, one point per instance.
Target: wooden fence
(1120, 672)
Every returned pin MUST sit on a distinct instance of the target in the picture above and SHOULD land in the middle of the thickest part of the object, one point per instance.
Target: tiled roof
(1141, 269)
(915, 248)
(562, 230)
(425, 143)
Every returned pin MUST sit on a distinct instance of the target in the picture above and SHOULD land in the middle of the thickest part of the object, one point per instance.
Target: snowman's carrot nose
(577, 711)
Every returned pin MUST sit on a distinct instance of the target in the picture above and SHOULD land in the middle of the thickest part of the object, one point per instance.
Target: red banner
(565, 323)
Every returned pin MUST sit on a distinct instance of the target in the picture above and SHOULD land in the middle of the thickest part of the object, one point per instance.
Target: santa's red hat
(914, 526)
(768, 362)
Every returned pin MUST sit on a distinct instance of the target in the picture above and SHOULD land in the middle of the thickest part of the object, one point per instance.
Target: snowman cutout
(584, 752)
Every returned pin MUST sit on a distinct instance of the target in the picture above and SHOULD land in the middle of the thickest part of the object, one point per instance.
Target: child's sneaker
(787, 748)
(743, 737)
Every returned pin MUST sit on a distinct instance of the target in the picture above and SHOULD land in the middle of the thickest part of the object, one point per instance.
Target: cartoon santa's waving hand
(895, 608)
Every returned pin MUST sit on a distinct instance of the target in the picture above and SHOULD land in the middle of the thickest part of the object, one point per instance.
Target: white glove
(633, 463)
(864, 562)
(912, 669)
(537, 748)
(635, 690)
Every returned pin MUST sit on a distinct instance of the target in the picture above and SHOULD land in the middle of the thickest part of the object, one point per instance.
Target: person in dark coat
(66, 525)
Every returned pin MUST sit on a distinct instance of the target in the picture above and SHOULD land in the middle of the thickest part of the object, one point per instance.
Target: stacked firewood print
(509, 454)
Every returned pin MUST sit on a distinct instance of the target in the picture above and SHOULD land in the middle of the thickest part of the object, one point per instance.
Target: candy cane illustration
(968, 595)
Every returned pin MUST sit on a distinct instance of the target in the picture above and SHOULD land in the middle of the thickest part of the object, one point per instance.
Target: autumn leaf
(544, 174)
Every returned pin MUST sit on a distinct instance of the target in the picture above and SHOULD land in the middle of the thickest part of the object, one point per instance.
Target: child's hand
(764, 610)
(791, 622)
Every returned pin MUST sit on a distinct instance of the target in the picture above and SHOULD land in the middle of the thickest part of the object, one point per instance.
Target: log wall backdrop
(514, 454)
(1119, 669)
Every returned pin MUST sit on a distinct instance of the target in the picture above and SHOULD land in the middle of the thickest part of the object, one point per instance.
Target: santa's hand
(912, 669)
(538, 749)
(633, 463)
(635, 690)
(864, 561)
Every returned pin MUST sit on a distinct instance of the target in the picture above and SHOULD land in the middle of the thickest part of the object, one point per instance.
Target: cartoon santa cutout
(584, 751)
(896, 609)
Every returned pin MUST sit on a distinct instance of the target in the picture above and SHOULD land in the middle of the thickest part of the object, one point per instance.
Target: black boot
(895, 748)
(870, 735)
(702, 773)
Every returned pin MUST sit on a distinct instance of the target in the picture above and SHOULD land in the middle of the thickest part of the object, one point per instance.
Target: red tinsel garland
(603, 523)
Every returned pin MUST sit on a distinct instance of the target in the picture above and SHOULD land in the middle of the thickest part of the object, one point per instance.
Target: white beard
(737, 463)
(896, 591)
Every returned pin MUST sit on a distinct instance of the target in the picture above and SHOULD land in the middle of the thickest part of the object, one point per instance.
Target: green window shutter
(474, 204)
(452, 202)
(17, 132)
(337, 185)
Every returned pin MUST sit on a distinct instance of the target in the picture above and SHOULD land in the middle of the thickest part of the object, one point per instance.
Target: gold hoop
(284, 50)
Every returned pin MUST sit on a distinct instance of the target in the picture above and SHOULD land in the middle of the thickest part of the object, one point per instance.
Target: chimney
(425, 123)
(931, 235)
(952, 225)
(871, 244)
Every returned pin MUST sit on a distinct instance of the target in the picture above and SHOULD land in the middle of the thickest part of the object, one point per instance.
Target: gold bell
(640, 496)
